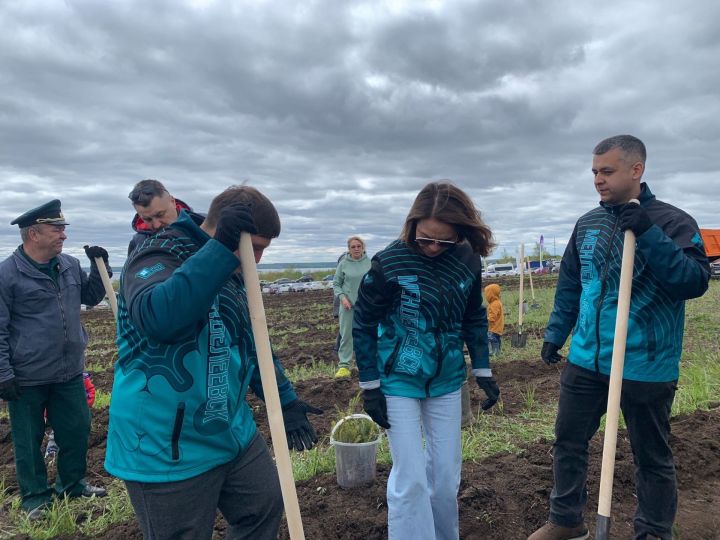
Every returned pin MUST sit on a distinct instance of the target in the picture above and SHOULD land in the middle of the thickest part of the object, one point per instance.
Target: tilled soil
(501, 497)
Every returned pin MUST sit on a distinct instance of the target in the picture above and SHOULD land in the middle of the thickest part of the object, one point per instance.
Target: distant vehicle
(299, 286)
(715, 269)
(501, 269)
(281, 281)
(329, 277)
(315, 286)
(305, 279)
(283, 288)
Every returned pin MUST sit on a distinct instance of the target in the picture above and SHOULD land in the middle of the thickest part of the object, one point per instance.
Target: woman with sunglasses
(418, 305)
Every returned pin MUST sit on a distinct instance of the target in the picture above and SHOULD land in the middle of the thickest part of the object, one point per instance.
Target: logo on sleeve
(148, 271)
(697, 240)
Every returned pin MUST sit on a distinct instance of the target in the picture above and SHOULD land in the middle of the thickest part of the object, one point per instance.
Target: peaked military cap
(49, 214)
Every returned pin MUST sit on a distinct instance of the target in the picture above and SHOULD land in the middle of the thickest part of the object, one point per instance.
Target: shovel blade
(518, 340)
(602, 528)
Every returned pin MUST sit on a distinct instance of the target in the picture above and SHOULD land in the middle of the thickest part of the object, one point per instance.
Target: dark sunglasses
(427, 242)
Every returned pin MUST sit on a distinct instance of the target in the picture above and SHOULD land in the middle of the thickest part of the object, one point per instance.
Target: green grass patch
(314, 370)
(69, 517)
(102, 399)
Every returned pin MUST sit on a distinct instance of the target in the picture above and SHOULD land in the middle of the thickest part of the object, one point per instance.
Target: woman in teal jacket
(350, 271)
(417, 306)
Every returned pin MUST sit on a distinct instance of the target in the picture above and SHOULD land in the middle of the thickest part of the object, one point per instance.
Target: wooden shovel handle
(522, 278)
(269, 384)
(109, 291)
(616, 377)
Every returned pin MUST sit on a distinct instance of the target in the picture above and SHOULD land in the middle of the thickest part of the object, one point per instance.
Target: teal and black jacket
(186, 357)
(670, 267)
(413, 315)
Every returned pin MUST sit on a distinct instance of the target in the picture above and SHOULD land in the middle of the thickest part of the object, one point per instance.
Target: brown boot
(550, 531)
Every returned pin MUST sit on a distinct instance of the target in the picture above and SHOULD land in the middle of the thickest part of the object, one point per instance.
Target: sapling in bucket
(355, 438)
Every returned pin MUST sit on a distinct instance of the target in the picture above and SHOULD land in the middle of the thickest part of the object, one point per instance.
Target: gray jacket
(41, 338)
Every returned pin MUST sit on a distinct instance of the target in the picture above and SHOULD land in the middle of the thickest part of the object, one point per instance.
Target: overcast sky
(341, 111)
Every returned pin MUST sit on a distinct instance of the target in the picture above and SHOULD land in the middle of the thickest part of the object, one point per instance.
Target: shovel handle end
(602, 528)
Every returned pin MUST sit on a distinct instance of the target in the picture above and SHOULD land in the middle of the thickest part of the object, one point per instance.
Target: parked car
(329, 277)
(715, 269)
(315, 286)
(298, 286)
(283, 288)
(281, 281)
(305, 279)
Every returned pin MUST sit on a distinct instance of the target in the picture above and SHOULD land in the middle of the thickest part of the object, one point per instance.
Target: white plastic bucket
(355, 463)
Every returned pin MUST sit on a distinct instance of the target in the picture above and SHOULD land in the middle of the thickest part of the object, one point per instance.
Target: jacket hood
(347, 257)
(139, 225)
(492, 292)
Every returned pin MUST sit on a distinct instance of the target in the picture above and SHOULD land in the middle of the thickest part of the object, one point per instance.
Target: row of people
(179, 423)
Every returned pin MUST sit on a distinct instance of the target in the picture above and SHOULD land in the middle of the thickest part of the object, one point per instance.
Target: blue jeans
(494, 343)
(424, 481)
(646, 409)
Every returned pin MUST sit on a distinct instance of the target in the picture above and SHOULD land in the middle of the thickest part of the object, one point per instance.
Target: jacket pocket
(177, 429)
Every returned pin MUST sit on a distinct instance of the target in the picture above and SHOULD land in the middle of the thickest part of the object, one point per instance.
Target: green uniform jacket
(42, 340)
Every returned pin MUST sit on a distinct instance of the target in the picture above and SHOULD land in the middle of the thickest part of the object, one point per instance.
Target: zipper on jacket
(438, 341)
(58, 293)
(439, 362)
(393, 357)
(603, 292)
(177, 428)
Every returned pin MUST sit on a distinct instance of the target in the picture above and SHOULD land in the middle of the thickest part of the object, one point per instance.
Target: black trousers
(646, 409)
(246, 490)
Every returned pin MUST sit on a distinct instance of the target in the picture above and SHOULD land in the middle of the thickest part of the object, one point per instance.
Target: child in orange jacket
(495, 316)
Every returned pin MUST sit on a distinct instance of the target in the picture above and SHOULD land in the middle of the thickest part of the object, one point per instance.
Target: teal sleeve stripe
(171, 309)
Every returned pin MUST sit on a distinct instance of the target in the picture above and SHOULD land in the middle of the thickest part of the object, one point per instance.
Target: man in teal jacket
(181, 434)
(670, 267)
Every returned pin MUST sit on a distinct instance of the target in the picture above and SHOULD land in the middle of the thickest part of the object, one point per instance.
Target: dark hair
(449, 204)
(631, 146)
(263, 211)
(145, 191)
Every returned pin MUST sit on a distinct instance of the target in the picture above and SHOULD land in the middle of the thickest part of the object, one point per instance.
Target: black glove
(375, 405)
(93, 252)
(233, 220)
(300, 433)
(10, 390)
(490, 387)
(549, 353)
(635, 218)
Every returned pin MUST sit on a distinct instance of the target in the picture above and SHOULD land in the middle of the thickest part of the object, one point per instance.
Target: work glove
(10, 390)
(96, 251)
(491, 389)
(635, 218)
(375, 405)
(233, 220)
(549, 353)
(300, 433)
